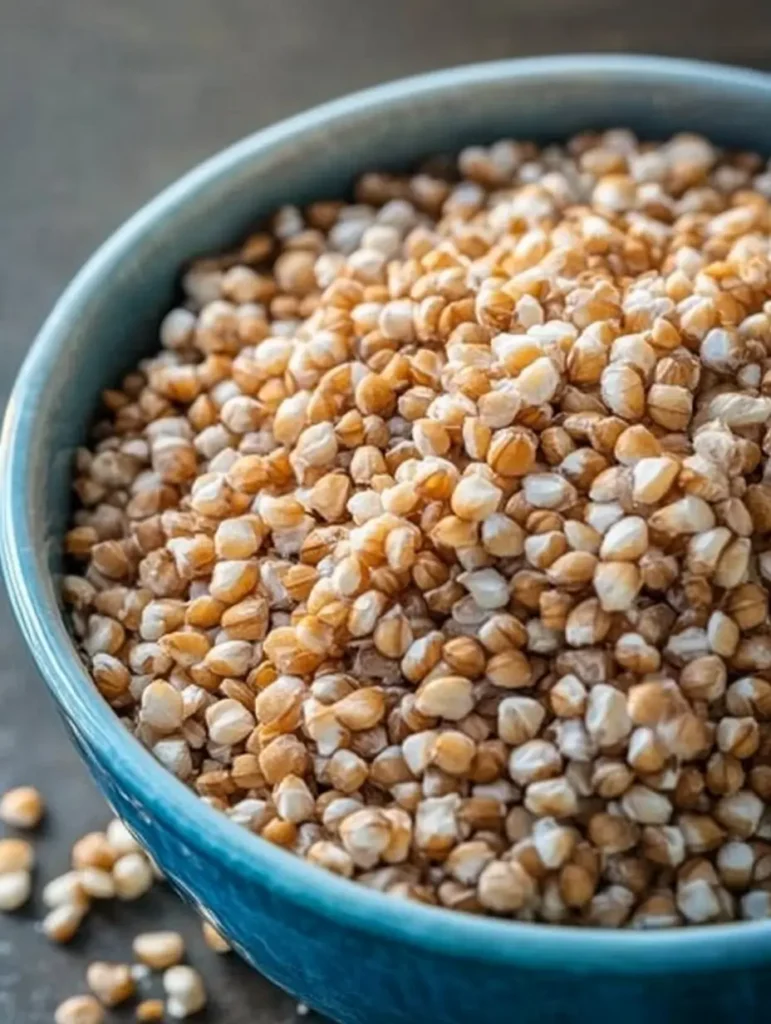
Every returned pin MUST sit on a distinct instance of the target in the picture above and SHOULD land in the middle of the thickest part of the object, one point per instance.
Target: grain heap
(105, 866)
(434, 546)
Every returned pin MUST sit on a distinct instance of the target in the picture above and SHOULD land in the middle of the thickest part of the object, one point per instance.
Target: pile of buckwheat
(435, 544)
(104, 867)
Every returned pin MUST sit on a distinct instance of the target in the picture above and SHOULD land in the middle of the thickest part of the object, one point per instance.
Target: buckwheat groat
(435, 543)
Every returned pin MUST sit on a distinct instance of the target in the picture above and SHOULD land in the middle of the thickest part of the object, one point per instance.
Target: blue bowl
(351, 953)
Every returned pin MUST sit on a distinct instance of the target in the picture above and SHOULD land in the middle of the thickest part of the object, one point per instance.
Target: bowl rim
(149, 784)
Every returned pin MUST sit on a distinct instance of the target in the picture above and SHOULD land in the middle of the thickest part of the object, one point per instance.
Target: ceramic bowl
(355, 955)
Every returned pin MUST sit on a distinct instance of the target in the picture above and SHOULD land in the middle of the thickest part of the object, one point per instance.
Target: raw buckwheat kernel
(159, 950)
(111, 983)
(15, 889)
(435, 543)
(16, 855)
(79, 1010)
(21, 807)
(149, 1010)
(213, 939)
(184, 990)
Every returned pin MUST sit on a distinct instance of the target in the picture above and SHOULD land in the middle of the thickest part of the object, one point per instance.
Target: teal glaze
(358, 956)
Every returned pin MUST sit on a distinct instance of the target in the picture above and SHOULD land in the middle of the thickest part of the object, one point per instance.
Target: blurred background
(102, 103)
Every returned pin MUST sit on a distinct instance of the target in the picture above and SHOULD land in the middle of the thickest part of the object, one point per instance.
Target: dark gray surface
(103, 102)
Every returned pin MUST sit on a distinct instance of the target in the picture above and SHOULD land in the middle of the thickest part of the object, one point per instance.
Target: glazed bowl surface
(353, 954)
